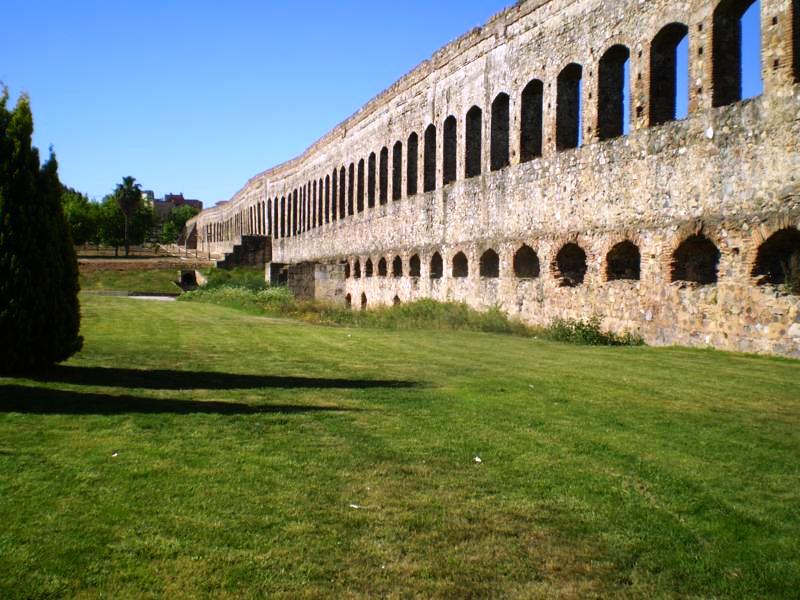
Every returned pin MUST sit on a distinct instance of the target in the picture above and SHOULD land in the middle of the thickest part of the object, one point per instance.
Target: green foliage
(128, 196)
(39, 311)
(587, 332)
(243, 277)
(175, 222)
(82, 216)
(111, 223)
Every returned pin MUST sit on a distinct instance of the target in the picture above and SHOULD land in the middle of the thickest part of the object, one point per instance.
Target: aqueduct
(544, 163)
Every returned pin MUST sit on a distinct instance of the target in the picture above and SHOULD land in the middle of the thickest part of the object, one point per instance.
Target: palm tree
(129, 196)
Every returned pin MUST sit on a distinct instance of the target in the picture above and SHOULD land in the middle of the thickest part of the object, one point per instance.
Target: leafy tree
(175, 222)
(82, 216)
(129, 198)
(111, 224)
(39, 311)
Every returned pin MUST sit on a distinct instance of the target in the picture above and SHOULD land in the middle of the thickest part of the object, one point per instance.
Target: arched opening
(397, 267)
(383, 177)
(450, 150)
(371, 181)
(342, 197)
(412, 153)
(613, 109)
(473, 138)
(275, 222)
(314, 205)
(294, 213)
(397, 171)
(778, 260)
(500, 128)
(460, 266)
(429, 174)
(696, 260)
(363, 301)
(396, 300)
(414, 266)
(347, 270)
(320, 204)
(623, 262)
(669, 66)
(328, 198)
(490, 264)
(737, 51)
(360, 187)
(351, 188)
(571, 265)
(357, 269)
(437, 266)
(348, 300)
(526, 263)
(334, 195)
(368, 268)
(530, 139)
(382, 267)
(568, 107)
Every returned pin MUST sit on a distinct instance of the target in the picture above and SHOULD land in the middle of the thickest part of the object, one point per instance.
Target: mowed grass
(152, 281)
(195, 451)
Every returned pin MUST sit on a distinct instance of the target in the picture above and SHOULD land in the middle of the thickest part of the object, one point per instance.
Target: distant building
(172, 201)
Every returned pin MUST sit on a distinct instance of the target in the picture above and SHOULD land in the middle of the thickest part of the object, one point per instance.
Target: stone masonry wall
(728, 173)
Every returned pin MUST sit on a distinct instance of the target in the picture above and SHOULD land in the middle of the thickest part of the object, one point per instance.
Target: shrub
(588, 333)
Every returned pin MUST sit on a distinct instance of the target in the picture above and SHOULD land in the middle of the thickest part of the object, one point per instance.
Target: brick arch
(763, 232)
(565, 261)
(682, 241)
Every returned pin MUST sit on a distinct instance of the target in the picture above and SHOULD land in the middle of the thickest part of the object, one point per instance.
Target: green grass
(152, 281)
(196, 451)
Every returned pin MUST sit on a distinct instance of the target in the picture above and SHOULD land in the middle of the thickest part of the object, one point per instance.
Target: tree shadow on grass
(44, 401)
(163, 379)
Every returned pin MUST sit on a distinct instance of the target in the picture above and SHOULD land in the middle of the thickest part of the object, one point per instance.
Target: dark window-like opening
(351, 188)
(363, 301)
(397, 267)
(526, 263)
(500, 130)
(460, 265)
(342, 189)
(357, 269)
(275, 219)
(384, 176)
(490, 264)
(371, 181)
(334, 195)
(397, 171)
(294, 212)
(414, 266)
(623, 262)
(666, 64)
(736, 51)
(314, 205)
(347, 270)
(473, 130)
(450, 145)
(396, 300)
(368, 268)
(328, 198)
(429, 176)
(571, 265)
(696, 260)
(360, 187)
(530, 140)
(778, 260)
(382, 267)
(568, 108)
(613, 111)
(412, 154)
(270, 205)
(348, 300)
(437, 266)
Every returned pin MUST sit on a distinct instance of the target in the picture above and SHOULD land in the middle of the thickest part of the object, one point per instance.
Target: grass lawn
(194, 451)
(152, 281)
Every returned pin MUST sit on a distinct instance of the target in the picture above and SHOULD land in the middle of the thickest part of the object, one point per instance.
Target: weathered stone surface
(728, 174)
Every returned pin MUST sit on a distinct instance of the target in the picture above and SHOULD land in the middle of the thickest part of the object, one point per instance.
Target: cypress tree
(39, 311)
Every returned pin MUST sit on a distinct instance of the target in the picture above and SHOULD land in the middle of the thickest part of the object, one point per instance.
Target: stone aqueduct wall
(727, 173)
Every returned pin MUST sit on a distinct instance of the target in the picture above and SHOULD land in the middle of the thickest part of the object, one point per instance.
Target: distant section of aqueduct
(507, 170)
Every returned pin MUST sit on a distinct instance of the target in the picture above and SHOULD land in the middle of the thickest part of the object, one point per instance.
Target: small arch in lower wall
(382, 267)
(414, 266)
(570, 265)
(778, 260)
(623, 262)
(460, 266)
(396, 300)
(368, 268)
(437, 266)
(526, 263)
(363, 301)
(696, 260)
(397, 267)
(357, 269)
(490, 264)
(347, 270)
(348, 300)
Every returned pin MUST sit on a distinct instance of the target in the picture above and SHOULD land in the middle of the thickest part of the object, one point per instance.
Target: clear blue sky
(198, 96)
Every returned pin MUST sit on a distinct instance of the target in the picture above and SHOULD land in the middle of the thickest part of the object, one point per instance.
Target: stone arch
(414, 266)
(499, 150)
(342, 195)
(357, 269)
(368, 268)
(327, 198)
(778, 260)
(437, 266)
(727, 50)
(449, 149)
(412, 158)
(371, 180)
(489, 264)
(283, 216)
(460, 266)
(664, 72)
(429, 160)
(351, 188)
(397, 267)
(612, 82)
(360, 187)
(347, 270)
(397, 170)
(363, 301)
(531, 111)
(568, 107)
(348, 300)
(396, 300)
(570, 265)
(526, 263)
(696, 260)
(473, 142)
(383, 177)
(382, 270)
(334, 195)
(623, 261)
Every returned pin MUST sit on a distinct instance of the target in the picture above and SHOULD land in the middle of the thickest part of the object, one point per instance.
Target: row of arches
(363, 184)
(695, 260)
